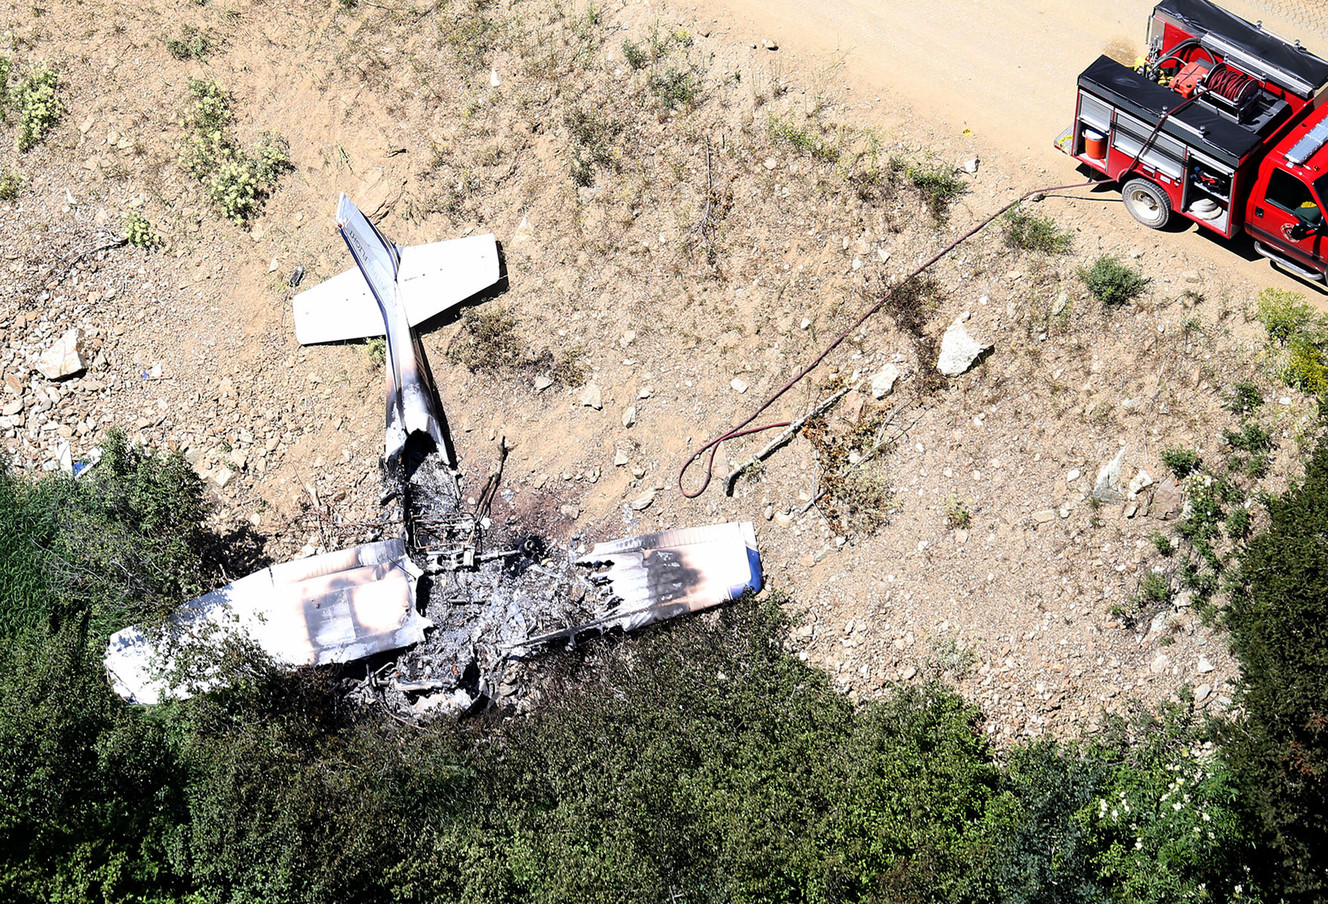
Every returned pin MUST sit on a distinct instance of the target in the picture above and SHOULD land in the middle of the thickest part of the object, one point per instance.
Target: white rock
(1141, 480)
(64, 358)
(805, 324)
(629, 416)
(958, 350)
(627, 338)
(619, 458)
(738, 384)
(592, 397)
(542, 383)
(1072, 476)
(222, 476)
(1107, 486)
(1201, 692)
(971, 166)
(1205, 666)
(883, 383)
(494, 81)
(642, 502)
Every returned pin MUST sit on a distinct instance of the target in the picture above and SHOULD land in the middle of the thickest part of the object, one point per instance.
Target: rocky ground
(686, 219)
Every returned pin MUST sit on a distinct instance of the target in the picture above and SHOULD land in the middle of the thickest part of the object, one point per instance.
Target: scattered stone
(883, 383)
(971, 166)
(1166, 501)
(64, 358)
(1107, 486)
(542, 383)
(1141, 481)
(1072, 475)
(569, 511)
(738, 384)
(958, 350)
(222, 476)
(12, 408)
(1189, 276)
(1201, 692)
(627, 338)
(1160, 664)
(805, 324)
(642, 502)
(908, 673)
(783, 519)
(1205, 666)
(769, 44)
(771, 163)
(619, 458)
(1044, 516)
(1060, 304)
(592, 397)
(629, 416)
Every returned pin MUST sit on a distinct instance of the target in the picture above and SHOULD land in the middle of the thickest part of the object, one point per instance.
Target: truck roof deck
(1248, 47)
(1195, 125)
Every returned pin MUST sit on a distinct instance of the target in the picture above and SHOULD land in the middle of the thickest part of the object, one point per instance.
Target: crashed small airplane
(458, 611)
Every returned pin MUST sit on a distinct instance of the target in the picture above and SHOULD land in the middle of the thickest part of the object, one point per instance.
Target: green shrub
(1245, 398)
(635, 55)
(38, 103)
(123, 545)
(939, 184)
(138, 231)
(190, 44)
(6, 70)
(1112, 282)
(1250, 438)
(1181, 461)
(675, 87)
(10, 184)
(1285, 315)
(1278, 619)
(808, 139)
(1030, 232)
(236, 182)
(592, 144)
(1306, 368)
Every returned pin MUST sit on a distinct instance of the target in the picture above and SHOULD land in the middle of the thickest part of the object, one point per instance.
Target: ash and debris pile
(486, 588)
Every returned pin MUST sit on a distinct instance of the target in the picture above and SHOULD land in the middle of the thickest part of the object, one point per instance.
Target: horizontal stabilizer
(433, 278)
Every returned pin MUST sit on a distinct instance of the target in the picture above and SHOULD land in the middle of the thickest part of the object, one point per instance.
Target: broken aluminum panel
(336, 607)
(434, 278)
(410, 391)
(655, 577)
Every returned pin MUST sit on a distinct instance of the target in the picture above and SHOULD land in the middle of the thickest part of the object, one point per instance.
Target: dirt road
(991, 77)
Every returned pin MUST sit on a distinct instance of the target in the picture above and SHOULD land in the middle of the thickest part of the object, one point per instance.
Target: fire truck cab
(1223, 124)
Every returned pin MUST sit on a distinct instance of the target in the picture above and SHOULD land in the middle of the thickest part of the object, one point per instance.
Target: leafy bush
(1245, 398)
(236, 182)
(1030, 232)
(38, 103)
(1112, 282)
(138, 231)
(190, 44)
(120, 546)
(1304, 333)
(1285, 315)
(10, 183)
(1278, 617)
(1181, 461)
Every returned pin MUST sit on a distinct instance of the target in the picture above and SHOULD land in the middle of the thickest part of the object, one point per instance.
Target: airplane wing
(432, 279)
(336, 607)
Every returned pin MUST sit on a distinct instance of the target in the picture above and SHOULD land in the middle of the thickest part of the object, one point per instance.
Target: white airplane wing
(432, 278)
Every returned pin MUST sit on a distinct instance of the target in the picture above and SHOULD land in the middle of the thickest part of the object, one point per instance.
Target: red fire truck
(1223, 123)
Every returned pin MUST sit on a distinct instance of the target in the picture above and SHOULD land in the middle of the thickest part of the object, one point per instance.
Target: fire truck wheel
(1147, 203)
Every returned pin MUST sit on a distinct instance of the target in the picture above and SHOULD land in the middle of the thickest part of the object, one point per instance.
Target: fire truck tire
(1147, 203)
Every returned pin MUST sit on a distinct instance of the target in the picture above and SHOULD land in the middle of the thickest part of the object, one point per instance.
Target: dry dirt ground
(684, 200)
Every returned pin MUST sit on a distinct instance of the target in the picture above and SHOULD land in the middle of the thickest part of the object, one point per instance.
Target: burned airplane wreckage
(439, 612)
